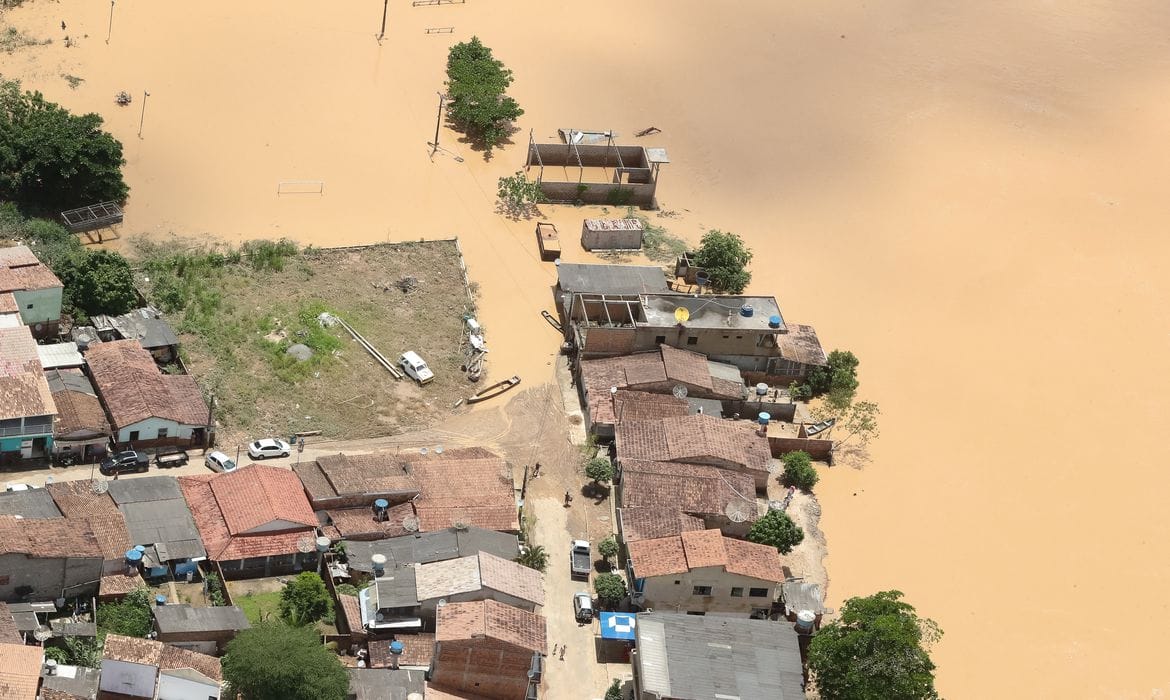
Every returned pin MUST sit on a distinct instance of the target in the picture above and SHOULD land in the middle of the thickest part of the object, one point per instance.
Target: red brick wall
(819, 450)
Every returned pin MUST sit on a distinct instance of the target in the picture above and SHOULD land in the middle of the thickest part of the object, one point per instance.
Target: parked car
(219, 462)
(415, 368)
(125, 462)
(580, 559)
(268, 447)
(582, 607)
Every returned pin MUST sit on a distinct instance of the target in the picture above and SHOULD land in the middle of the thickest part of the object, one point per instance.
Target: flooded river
(970, 196)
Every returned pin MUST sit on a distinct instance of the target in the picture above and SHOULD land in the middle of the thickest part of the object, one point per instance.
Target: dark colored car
(125, 462)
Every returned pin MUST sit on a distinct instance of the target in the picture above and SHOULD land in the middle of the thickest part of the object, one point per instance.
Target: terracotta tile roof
(148, 652)
(133, 389)
(220, 543)
(78, 502)
(77, 410)
(8, 304)
(8, 631)
(472, 487)
(650, 523)
(706, 548)
(493, 620)
(696, 438)
(641, 406)
(20, 270)
(54, 694)
(17, 256)
(417, 650)
(689, 488)
(351, 612)
(800, 344)
(20, 671)
(48, 538)
(24, 391)
(509, 577)
(359, 523)
(685, 366)
(257, 495)
(657, 557)
(377, 473)
(116, 585)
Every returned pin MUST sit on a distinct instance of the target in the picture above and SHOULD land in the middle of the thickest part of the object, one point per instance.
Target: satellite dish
(737, 511)
(410, 523)
(42, 633)
(307, 544)
(682, 314)
(438, 449)
(422, 451)
(98, 486)
(441, 603)
(679, 391)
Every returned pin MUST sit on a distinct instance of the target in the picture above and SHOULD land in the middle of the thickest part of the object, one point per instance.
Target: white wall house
(128, 678)
(186, 684)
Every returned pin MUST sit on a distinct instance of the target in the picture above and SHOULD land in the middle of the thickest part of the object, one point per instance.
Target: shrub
(610, 589)
(534, 557)
(614, 691)
(777, 530)
(608, 547)
(304, 600)
(215, 591)
(725, 259)
(130, 617)
(272, 661)
(57, 654)
(799, 471)
(599, 469)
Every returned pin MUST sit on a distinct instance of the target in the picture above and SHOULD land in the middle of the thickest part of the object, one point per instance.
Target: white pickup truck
(580, 559)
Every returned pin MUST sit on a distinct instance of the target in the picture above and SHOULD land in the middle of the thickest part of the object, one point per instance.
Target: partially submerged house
(696, 657)
(254, 521)
(158, 519)
(697, 439)
(660, 499)
(145, 406)
(579, 278)
(27, 410)
(487, 648)
(605, 173)
(144, 668)
(746, 331)
(81, 430)
(701, 572)
(35, 290)
(45, 559)
(205, 630)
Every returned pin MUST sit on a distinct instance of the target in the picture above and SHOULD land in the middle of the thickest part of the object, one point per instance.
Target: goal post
(300, 187)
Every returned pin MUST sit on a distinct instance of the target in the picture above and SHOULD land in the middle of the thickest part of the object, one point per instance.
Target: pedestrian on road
(554, 650)
(536, 471)
(562, 652)
(568, 499)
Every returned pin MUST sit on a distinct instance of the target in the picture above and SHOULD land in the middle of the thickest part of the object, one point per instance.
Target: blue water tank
(773, 322)
(160, 600)
(381, 503)
(765, 417)
(139, 548)
(396, 647)
(133, 556)
(746, 311)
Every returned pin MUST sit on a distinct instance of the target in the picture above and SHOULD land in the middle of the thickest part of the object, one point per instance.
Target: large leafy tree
(777, 530)
(610, 588)
(273, 661)
(96, 282)
(838, 379)
(725, 258)
(877, 650)
(51, 159)
(305, 600)
(476, 82)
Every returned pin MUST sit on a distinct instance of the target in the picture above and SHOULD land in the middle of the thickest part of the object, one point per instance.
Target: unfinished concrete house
(597, 173)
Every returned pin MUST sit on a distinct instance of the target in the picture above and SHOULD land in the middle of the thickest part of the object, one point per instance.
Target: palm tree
(533, 557)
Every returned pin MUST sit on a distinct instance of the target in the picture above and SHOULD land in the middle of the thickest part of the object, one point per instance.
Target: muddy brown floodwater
(970, 196)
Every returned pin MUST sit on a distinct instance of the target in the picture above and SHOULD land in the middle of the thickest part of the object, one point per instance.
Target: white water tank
(379, 562)
(805, 619)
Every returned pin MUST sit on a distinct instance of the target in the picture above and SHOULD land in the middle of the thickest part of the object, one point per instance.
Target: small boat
(494, 390)
(552, 321)
(817, 428)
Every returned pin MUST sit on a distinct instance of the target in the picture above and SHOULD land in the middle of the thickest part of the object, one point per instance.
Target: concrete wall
(48, 576)
(819, 450)
(45, 305)
(259, 567)
(611, 240)
(483, 666)
(176, 688)
(148, 430)
(128, 679)
(662, 594)
(203, 642)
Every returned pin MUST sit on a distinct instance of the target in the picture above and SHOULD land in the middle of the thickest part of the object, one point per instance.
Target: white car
(268, 447)
(219, 462)
(582, 607)
(415, 368)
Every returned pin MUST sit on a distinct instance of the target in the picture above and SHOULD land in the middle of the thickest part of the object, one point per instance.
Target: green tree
(855, 422)
(96, 282)
(799, 471)
(877, 649)
(130, 617)
(273, 661)
(57, 654)
(518, 195)
(725, 258)
(599, 469)
(304, 600)
(533, 557)
(614, 691)
(610, 589)
(777, 530)
(52, 160)
(608, 547)
(476, 83)
(838, 379)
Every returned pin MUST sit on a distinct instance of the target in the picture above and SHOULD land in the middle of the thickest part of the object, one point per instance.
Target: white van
(415, 368)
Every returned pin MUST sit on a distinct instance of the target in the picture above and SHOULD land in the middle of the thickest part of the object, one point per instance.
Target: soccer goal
(300, 187)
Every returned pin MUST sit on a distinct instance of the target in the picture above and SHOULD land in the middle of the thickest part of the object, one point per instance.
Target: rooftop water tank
(323, 544)
(805, 619)
(761, 389)
(133, 557)
(765, 417)
(160, 600)
(746, 311)
(140, 548)
(773, 322)
(379, 562)
(396, 647)
(381, 507)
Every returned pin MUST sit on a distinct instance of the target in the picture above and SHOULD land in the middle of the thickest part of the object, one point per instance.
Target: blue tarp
(615, 625)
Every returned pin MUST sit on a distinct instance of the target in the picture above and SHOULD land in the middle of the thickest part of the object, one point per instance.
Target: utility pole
(142, 117)
(110, 31)
(438, 119)
(385, 6)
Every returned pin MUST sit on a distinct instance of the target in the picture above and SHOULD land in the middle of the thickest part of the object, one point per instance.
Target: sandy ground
(967, 195)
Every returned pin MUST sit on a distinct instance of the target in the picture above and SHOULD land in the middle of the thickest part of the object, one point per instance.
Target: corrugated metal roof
(60, 355)
(427, 547)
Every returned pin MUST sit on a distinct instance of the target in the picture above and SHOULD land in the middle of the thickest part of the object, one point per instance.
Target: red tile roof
(657, 557)
(8, 303)
(78, 502)
(77, 410)
(258, 495)
(148, 652)
(417, 650)
(800, 344)
(48, 538)
(494, 620)
(628, 405)
(133, 389)
(24, 391)
(20, 671)
(472, 487)
(689, 488)
(218, 540)
(380, 472)
(21, 270)
(650, 523)
(117, 585)
(8, 631)
(706, 548)
(359, 523)
(351, 612)
(698, 438)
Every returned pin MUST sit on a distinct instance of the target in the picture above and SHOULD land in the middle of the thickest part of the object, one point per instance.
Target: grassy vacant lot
(239, 310)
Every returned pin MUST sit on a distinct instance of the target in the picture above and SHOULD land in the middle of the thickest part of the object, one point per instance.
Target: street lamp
(142, 117)
(438, 119)
(110, 31)
(385, 7)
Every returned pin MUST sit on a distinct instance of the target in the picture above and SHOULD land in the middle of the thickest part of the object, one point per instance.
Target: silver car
(219, 462)
(582, 607)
